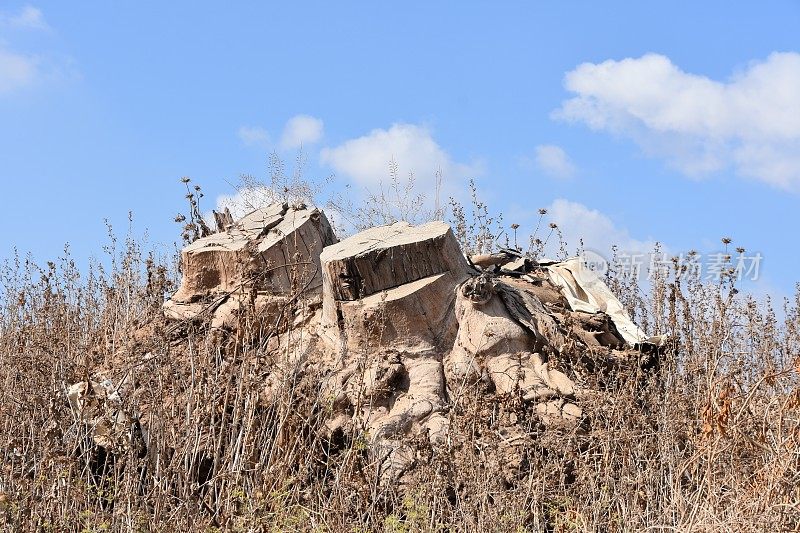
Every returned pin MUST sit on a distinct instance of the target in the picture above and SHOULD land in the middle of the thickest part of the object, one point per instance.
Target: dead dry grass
(707, 440)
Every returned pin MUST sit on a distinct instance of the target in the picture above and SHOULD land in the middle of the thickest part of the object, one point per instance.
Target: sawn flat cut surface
(389, 256)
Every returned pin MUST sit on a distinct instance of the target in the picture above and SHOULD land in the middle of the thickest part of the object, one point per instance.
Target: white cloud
(28, 17)
(598, 231)
(301, 130)
(553, 161)
(245, 200)
(750, 122)
(254, 136)
(16, 71)
(366, 159)
(21, 70)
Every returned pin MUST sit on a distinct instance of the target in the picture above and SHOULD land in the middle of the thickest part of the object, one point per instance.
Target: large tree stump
(383, 268)
(389, 256)
(417, 316)
(273, 250)
(388, 301)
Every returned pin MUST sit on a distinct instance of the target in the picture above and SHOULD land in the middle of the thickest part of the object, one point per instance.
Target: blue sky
(631, 122)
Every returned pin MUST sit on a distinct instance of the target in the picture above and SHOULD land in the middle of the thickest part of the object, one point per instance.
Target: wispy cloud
(366, 159)
(254, 136)
(16, 71)
(750, 123)
(553, 161)
(584, 229)
(23, 69)
(599, 233)
(28, 17)
(245, 200)
(301, 130)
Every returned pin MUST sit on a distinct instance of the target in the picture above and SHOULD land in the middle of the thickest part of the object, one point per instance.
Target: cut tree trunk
(274, 250)
(389, 256)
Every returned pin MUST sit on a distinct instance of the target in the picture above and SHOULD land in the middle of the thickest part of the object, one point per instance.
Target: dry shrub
(703, 439)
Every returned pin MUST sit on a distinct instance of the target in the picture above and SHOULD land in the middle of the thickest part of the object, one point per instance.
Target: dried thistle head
(542, 211)
(726, 240)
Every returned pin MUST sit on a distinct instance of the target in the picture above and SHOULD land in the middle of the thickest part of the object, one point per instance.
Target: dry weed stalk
(708, 440)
